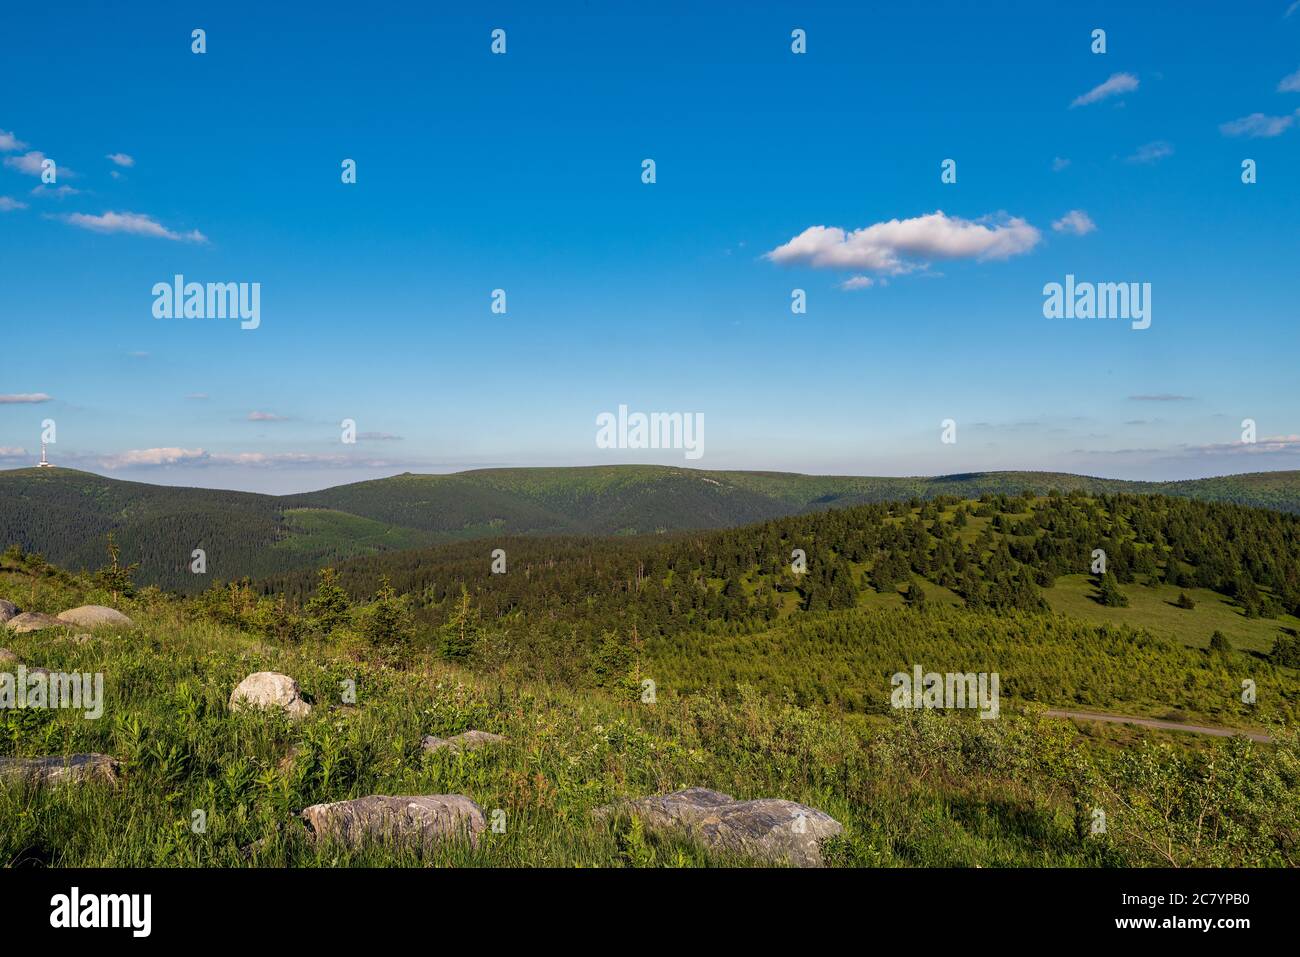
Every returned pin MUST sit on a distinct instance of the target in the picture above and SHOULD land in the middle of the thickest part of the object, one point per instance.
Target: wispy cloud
(58, 192)
(29, 163)
(198, 396)
(266, 417)
(1059, 163)
(152, 457)
(902, 246)
(379, 437)
(12, 452)
(25, 398)
(1075, 222)
(8, 204)
(136, 224)
(202, 458)
(1266, 444)
(860, 282)
(121, 159)
(1152, 152)
(1117, 84)
(9, 142)
(1161, 397)
(1259, 125)
(1290, 83)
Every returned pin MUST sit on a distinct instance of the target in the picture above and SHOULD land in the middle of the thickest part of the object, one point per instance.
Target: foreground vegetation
(912, 789)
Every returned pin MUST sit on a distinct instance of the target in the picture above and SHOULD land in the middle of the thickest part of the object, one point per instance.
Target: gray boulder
(33, 621)
(776, 831)
(467, 741)
(7, 610)
(73, 769)
(422, 820)
(94, 616)
(270, 689)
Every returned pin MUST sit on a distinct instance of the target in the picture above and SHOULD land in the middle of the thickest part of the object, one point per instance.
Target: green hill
(66, 514)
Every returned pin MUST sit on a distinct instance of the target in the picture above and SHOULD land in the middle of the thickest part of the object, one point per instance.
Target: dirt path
(1156, 723)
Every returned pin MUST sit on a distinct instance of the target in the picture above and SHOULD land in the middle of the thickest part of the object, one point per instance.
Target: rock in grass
(7, 610)
(33, 621)
(94, 616)
(422, 820)
(7, 657)
(780, 832)
(270, 689)
(468, 741)
(73, 769)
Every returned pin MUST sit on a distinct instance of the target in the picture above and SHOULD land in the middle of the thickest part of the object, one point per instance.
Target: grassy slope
(937, 792)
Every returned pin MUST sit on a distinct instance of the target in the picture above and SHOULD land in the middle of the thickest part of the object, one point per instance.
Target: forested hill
(66, 515)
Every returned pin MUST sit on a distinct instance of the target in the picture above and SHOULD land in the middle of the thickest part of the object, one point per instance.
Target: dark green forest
(65, 514)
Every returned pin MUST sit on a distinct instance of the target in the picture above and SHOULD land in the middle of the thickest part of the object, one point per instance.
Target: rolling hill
(66, 514)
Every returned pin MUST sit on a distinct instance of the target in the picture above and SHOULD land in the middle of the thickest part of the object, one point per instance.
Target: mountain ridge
(66, 514)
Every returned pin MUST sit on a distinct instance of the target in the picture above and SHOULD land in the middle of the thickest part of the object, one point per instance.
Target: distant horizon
(154, 476)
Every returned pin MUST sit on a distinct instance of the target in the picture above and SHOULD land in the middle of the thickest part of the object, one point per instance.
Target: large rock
(7, 657)
(468, 741)
(769, 829)
(94, 616)
(33, 621)
(73, 769)
(421, 820)
(270, 689)
(7, 610)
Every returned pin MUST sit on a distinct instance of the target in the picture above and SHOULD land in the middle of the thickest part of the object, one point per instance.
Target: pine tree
(1108, 592)
(461, 630)
(330, 607)
(114, 577)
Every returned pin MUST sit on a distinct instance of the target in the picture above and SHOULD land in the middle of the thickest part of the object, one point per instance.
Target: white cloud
(9, 142)
(1290, 83)
(198, 396)
(58, 192)
(1258, 125)
(1262, 445)
(266, 417)
(12, 452)
(29, 163)
(1117, 83)
(860, 282)
(379, 437)
(298, 460)
(121, 159)
(1059, 163)
(1152, 152)
(137, 224)
(24, 398)
(8, 204)
(1076, 221)
(902, 246)
(147, 457)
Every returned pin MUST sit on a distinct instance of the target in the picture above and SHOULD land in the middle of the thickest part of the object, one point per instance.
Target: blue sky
(523, 172)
